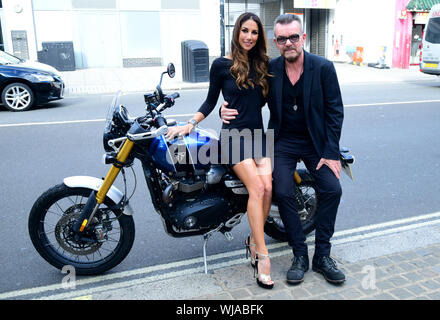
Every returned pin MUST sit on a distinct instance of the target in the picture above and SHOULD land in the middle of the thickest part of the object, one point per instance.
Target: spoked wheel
(104, 243)
(274, 226)
(18, 97)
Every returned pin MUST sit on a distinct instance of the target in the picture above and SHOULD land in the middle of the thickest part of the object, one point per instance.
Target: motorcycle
(87, 222)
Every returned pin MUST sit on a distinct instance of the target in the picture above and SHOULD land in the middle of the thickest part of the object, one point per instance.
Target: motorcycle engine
(202, 210)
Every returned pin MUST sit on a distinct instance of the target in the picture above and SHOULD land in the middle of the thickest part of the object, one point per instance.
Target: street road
(391, 128)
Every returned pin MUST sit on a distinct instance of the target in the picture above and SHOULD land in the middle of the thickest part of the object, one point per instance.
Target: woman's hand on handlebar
(178, 131)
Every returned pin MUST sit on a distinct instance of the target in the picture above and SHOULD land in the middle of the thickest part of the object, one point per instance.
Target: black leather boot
(328, 268)
(300, 265)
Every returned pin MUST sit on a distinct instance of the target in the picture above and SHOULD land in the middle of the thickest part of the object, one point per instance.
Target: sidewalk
(110, 80)
(371, 275)
(387, 262)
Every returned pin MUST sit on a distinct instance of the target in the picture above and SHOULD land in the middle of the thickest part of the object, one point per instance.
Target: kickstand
(205, 238)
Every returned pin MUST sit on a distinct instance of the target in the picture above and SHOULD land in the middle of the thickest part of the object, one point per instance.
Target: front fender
(94, 183)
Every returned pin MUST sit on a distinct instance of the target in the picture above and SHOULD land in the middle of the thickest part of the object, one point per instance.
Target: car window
(433, 31)
(7, 58)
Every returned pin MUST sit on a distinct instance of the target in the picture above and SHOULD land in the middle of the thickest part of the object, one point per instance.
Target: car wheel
(18, 97)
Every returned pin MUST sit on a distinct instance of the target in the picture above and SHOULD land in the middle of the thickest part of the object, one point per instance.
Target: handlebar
(175, 95)
(161, 121)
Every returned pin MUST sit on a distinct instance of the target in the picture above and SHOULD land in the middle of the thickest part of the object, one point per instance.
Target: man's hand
(334, 165)
(227, 114)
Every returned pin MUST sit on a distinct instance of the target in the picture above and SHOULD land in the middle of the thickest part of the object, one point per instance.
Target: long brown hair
(257, 56)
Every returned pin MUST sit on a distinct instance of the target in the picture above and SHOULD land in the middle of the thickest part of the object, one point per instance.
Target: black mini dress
(244, 137)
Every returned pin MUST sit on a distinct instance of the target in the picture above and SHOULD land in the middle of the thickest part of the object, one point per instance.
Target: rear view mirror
(171, 70)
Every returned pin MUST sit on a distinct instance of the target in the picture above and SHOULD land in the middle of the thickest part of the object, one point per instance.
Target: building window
(179, 4)
(267, 10)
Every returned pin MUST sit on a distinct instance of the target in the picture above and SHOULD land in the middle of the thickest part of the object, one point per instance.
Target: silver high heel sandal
(263, 280)
(248, 245)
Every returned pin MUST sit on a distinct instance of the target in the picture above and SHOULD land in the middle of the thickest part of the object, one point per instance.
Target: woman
(242, 78)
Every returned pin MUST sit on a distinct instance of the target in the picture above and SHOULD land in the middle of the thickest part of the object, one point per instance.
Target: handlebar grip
(161, 121)
(175, 95)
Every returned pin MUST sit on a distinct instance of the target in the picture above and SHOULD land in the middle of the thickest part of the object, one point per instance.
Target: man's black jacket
(322, 102)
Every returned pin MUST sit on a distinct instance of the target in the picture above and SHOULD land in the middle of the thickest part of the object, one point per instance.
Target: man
(306, 114)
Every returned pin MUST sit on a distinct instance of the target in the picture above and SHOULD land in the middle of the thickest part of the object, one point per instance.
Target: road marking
(339, 237)
(49, 123)
(191, 114)
(75, 121)
(390, 103)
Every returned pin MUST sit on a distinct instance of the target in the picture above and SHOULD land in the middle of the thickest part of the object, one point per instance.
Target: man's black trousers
(287, 153)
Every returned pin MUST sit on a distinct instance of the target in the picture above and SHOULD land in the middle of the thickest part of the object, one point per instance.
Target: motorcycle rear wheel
(274, 226)
(50, 229)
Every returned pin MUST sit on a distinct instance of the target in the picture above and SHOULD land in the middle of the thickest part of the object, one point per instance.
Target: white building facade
(111, 33)
(124, 33)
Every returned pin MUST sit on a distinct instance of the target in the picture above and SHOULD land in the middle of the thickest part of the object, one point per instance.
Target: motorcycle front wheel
(104, 243)
(274, 226)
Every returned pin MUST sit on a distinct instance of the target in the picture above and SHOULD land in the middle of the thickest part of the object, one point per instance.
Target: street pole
(222, 27)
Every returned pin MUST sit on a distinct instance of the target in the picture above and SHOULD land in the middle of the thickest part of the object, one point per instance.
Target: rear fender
(94, 184)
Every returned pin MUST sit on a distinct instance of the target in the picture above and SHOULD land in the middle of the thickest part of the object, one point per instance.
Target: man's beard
(293, 58)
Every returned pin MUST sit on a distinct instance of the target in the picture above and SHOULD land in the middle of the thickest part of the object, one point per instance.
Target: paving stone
(416, 289)
(385, 285)
(384, 296)
(239, 293)
(351, 294)
(380, 262)
(315, 288)
(395, 257)
(410, 255)
(406, 266)
(299, 293)
(393, 269)
(398, 281)
(333, 296)
(356, 267)
(280, 295)
(431, 285)
(401, 293)
(221, 296)
(433, 261)
(434, 295)
(419, 263)
(423, 252)
(413, 276)
(428, 273)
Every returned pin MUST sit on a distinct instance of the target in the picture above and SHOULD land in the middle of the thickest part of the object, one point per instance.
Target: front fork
(96, 199)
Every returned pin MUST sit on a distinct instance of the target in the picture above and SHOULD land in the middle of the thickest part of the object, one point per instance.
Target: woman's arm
(215, 85)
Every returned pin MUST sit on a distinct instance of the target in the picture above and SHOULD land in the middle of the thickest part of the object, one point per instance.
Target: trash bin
(195, 61)
(59, 55)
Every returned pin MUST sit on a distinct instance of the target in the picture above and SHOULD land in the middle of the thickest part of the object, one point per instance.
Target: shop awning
(421, 5)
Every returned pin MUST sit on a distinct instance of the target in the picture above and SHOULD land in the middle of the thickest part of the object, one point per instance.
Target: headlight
(43, 78)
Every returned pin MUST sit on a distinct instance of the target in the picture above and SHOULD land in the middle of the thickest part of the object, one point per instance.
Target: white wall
(112, 32)
(18, 15)
(368, 24)
(187, 24)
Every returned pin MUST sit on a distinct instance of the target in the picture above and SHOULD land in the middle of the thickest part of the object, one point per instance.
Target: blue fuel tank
(196, 151)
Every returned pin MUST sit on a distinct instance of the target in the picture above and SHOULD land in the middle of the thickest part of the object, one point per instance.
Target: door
(99, 39)
(416, 41)
(318, 31)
